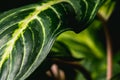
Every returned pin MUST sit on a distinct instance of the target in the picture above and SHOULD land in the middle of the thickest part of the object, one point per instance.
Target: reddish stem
(109, 54)
(108, 46)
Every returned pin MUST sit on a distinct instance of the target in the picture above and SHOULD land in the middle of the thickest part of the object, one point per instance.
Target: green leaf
(27, 33)
(88, 45)
(107, 8)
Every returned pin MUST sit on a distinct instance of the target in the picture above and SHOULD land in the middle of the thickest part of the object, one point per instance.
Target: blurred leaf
(85, 42)
(89, 44)
(61, 51)
(107, 8)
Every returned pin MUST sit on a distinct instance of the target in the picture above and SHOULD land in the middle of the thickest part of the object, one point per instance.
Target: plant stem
(108, 46)
(109, 55)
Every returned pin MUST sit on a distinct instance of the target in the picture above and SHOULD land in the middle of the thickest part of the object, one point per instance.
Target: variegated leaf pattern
(27, 33)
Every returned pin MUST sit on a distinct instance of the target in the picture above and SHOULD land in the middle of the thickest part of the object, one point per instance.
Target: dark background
(114, 27)
(10, 4)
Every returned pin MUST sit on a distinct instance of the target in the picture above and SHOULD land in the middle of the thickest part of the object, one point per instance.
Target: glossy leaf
(27, 33)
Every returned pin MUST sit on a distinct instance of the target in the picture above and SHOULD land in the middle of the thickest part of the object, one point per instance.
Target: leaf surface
(27, 33)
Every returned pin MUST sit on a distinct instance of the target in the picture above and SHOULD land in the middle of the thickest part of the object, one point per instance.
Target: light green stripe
(24, 55)
(93, 11)
(60, 21)
(44, 7)
(86, 7)
(24, 49)
(20, 10)
(42, 45)
(33, 38)
(7, 27)
(58, 15)
(22, 26)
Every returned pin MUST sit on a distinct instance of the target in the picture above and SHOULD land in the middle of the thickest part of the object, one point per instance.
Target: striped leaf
(27, 33)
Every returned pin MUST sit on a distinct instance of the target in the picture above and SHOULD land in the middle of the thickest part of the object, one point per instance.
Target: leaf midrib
(22, 25)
